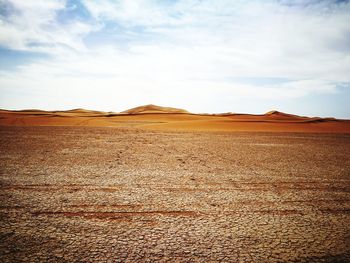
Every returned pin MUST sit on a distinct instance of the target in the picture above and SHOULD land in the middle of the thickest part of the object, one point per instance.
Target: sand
(152, 117)
(109, 194)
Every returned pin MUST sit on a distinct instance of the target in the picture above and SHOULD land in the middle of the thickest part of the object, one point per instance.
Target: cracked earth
(84, 194)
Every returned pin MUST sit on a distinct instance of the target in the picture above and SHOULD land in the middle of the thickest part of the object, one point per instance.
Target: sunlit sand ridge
(166, 118)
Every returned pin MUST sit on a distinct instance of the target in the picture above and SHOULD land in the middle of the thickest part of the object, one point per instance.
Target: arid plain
(160, 184)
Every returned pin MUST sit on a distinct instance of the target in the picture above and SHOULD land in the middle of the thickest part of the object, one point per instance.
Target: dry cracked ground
(71, 194)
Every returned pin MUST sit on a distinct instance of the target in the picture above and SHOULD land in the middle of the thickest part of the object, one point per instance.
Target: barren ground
(85, 194)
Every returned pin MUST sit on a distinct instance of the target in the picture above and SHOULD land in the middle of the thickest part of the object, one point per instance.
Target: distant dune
(172, 119)
(150, 108)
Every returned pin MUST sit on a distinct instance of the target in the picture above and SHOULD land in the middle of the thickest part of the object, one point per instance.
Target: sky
(201, 55)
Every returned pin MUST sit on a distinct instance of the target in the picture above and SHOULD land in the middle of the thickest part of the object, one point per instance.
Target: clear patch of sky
(322, 105)
(259, 80)
(11, 59)
(313, 105)
(118, 35)
(74, 10)
(341, 1)
(305, 3)
(6, 9)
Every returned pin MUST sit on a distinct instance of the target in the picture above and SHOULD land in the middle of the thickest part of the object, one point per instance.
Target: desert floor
(89, 194)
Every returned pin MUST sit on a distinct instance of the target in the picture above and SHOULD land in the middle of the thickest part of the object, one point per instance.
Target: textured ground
(84, 194)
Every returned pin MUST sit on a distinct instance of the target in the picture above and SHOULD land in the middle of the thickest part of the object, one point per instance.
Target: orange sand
(165, 118)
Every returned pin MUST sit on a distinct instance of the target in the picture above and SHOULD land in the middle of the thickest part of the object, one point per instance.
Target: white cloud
(136, 13)
(33, 25)
(181, 52)
(242, 38)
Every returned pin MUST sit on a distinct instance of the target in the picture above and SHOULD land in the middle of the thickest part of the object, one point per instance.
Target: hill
(150, 108)
(152, 117)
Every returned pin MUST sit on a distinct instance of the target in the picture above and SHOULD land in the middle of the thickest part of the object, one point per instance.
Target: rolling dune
(166, 118)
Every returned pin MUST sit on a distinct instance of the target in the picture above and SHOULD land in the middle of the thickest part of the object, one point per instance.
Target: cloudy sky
(201, 55)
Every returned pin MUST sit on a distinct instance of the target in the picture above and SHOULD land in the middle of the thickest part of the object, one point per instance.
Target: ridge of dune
(279, 113)
(151, 108)
(81, 110)
(24, 111)
(273, 112)
(78, 110)
(155, 117)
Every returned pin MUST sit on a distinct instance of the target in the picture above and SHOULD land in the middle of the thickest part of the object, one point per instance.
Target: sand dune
(150, 108)
(166, 118)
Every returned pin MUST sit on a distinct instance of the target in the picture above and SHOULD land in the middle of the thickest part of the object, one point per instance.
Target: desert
(174, 131)
(153, 117)
(158, 184)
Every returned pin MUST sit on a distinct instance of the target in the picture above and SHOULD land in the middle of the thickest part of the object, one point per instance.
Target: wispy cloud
(169, 52)
(33, 25)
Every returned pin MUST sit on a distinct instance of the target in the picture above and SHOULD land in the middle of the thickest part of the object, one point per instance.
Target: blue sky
(204, 56)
